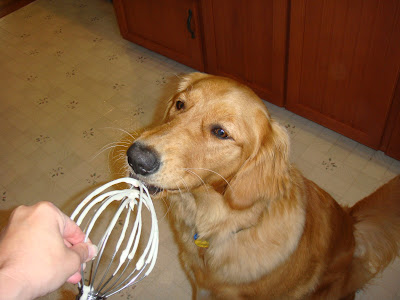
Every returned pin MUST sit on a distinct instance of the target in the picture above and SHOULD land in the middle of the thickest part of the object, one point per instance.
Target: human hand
(40, 249)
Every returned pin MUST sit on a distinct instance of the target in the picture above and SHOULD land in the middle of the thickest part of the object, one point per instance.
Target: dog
(248, 224)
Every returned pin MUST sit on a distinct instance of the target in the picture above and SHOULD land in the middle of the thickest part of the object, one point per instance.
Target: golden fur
(273, 234)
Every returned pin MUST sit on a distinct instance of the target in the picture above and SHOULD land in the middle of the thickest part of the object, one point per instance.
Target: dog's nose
(143, 159)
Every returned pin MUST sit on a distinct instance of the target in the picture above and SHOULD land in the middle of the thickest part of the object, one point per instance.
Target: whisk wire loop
(112, 279)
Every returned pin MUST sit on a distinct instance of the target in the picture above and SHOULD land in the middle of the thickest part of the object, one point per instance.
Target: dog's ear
(184, 82)
(263, 175)
(170, 103)
(189, 79)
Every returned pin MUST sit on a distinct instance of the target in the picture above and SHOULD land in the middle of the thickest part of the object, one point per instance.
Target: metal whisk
(121, 262)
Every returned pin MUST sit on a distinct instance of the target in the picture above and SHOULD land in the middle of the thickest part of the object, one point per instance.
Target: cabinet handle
(189, 23)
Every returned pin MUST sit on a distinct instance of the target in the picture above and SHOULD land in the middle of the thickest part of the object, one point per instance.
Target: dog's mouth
(153, 190)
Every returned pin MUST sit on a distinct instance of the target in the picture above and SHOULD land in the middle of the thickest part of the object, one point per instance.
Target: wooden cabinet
(344, 61)
(391, 139)
(335, 62)
(393, 147)
(246, 40)
(168, 27)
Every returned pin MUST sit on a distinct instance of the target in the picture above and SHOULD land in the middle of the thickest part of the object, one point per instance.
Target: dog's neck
(205, 212)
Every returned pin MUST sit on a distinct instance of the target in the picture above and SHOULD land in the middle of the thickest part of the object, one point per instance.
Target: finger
(74, 279)
(85, 251)
(72, 233)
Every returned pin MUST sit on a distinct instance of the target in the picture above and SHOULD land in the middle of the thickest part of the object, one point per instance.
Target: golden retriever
(249, 225)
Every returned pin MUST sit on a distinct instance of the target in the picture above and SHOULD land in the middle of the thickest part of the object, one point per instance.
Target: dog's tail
(376, 232)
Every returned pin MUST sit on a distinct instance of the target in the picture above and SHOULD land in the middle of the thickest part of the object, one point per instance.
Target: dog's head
(216, 132)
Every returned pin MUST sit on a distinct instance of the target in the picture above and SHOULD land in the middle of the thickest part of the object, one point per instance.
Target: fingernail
(93, 251)
(83, 266)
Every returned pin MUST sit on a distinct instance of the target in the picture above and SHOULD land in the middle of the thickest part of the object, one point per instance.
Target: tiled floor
(70, 88)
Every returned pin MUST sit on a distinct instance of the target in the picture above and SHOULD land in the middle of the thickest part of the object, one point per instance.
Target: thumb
(85, 251)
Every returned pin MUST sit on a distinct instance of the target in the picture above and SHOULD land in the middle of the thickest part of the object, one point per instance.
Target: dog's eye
(179, 104)
(220, 133)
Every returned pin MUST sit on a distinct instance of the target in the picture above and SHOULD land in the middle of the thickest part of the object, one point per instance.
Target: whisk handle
(89, 296)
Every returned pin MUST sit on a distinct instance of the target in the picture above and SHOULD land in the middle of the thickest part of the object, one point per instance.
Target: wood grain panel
(162, 27)
(344, 60)
(391, 138)
(247, 40)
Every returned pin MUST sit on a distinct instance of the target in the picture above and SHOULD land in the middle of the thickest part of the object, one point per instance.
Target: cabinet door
(393, 148)
(164, 27)
(246, 40)
(344, 61)
(391, 138)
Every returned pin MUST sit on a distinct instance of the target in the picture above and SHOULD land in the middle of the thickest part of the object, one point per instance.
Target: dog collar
(206, 244)
(200, 243)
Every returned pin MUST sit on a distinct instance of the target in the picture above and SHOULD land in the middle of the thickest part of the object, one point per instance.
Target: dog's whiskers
(171, 205)
(195, 174)
(168, 209)
(106, 147)
(185, 184)
(205, 169)
(124, 131)
(117, 152)
(118, 159)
